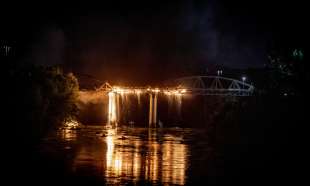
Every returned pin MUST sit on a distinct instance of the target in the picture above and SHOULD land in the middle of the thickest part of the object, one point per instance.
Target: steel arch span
(213, 85)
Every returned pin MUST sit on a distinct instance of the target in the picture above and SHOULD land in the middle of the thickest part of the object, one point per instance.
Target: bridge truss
(213, 85)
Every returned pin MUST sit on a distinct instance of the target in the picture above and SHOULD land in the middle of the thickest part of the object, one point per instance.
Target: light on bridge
(156, 90)
(138, 91)
(183, 91)
(175, 92)
(168, 92)
(112, 108)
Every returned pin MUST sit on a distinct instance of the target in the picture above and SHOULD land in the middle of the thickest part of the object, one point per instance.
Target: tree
(41, 98)
(287, 71)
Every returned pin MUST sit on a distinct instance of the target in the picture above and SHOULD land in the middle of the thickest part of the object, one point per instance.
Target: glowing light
(72, 124)
(165, 162)
(175, 92)
(114, 159)
(156, 90)
(118, 90)
(112, 108)
(118, 165)
(138, 94)
(110, 149)
(138, 91)
(168, 93)
(173, 161)
(68, 135)
(183, 91)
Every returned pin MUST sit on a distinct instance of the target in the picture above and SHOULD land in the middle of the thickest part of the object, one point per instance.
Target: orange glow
(174, 92)
(113, 112)
(156, 90)
(168, 93)
(183, 91)
(112, 108)
(138, 91)
(166, 161)
(68, 135)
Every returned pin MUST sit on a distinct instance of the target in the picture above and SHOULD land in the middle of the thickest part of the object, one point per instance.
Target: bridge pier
(113, 111)
(153, 110)
(117, 108)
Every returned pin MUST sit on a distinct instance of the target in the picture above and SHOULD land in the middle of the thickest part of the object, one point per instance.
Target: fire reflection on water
(126, 157)
(68, 134)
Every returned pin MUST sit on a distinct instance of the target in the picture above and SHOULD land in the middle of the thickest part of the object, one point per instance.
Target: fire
(112, 108)
(156, 90)
(138, 91)
(183, 91)
(175, 92)
(113, 114)
(120, 90)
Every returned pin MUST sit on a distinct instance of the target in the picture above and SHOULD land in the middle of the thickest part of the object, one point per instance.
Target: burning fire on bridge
(119, 99)
(167, 91)
(115, 92)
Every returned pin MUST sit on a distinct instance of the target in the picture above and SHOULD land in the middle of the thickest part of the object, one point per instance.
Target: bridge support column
(117, 109)
(113, 108)
(153, 110)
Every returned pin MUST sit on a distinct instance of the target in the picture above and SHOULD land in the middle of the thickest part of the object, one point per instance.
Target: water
(167, 156)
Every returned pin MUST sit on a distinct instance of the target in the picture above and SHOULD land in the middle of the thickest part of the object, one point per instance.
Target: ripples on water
(129, 155)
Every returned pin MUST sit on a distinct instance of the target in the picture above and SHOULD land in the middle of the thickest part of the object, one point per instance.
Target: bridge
(192, 85)
(214, 85)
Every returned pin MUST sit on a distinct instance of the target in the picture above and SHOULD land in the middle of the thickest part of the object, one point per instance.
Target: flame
(156, 90)
(183, 91)
(175, 92)
(112, 108)
(113, 114)
(138, 91)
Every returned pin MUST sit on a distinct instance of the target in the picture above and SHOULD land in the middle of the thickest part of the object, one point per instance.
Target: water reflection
(132, 155)
(68, 134)
(174, 156)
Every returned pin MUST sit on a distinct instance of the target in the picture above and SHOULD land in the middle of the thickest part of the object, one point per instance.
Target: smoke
(93, 106)
(148, 44)
(223, 39)
(91, 97)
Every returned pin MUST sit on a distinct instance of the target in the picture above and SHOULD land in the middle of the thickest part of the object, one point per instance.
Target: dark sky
(130, 41)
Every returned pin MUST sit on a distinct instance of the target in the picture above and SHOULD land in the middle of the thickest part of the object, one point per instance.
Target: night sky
(151, 39)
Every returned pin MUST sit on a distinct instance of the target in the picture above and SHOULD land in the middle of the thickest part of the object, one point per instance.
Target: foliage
(42, 98)
(287, 70)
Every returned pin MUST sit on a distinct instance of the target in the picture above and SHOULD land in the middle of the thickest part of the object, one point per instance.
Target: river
(130, 155)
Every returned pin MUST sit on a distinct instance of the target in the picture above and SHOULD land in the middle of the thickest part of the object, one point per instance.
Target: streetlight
(243, 80)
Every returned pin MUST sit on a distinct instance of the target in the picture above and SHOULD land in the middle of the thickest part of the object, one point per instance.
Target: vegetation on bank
(287, 69)
(41, 98)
